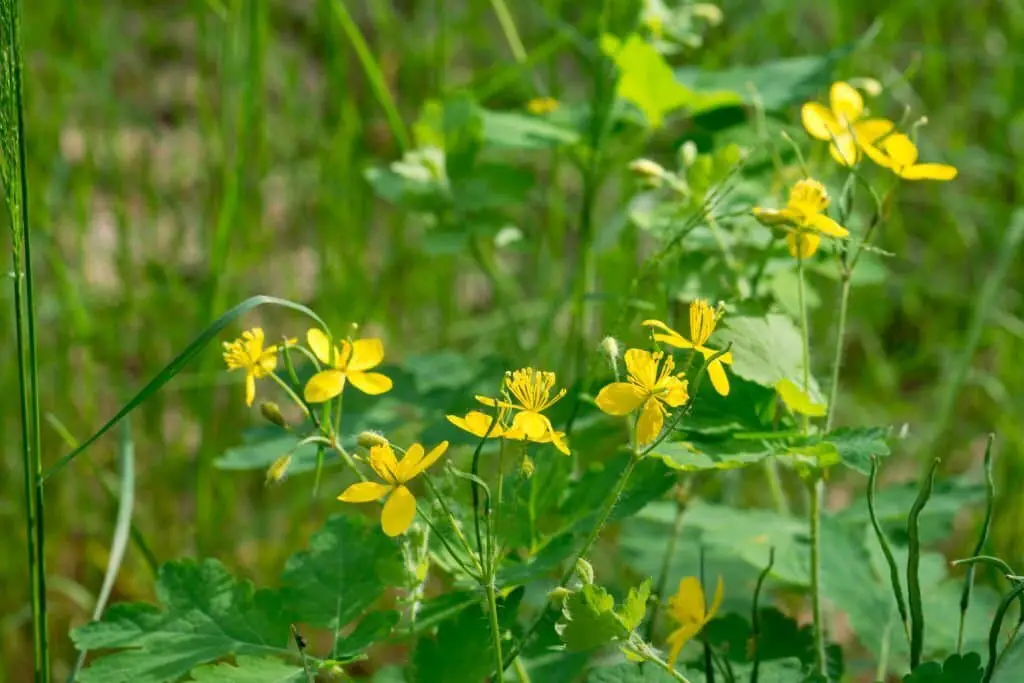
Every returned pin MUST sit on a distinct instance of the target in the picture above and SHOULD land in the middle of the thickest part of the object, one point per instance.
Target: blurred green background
(186, 155)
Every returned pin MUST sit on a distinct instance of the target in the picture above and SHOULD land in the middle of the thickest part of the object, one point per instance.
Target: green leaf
(441, 370)
(635, 606)
(261, 451)
(207, 614)
(373, 628)
(250, 670)
(462, 651)
(348, 566)
(767, 350)
(1011, 666)
(646, 80)
(513, 130)
(779, 84)
(797, 400)
(711, 455)
(588, 619)
(628, 672)
(956, 669)
(856, 445)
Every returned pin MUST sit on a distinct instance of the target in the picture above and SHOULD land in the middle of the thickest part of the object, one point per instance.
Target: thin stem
(778, 494)
(815, 489)
(521, 673)
(837, 359)
(292, 395)
(508, 27)
(666, 562)
(805, 348)
(492, 607)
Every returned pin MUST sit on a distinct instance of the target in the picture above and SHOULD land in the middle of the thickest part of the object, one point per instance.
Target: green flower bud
(271, 412)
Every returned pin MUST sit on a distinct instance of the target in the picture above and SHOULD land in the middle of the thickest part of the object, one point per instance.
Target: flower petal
(366, 354)
(719, 380)
(619, 398)
(775, 217)
(671, 337)
(868, 131)
(846, 101)
(250, 388)
(818, 121)
(414, 467)
(900, 149)
(364, 492)
(826, 225)
(844, 150)
(702, 321)
(678, 638)
(716, 601)
(372, 383)
(534, 426)
(559, 441)
(687, 605)
(319, 344)
(802, 244)
(642, 366)
(649, 424)
(929, 172)
(383, 462)
(398, 513)
(324, 385)
(676, 392)
(477, 424)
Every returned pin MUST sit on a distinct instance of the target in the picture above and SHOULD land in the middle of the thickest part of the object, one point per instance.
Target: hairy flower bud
(369, 439)
(271, 412)
(584, 571)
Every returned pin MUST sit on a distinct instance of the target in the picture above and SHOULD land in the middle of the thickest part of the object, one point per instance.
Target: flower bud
(526, 467)
(279, 469)
(558, 595)
(271, 412)
(708, 12)
(687, 153)
(369, 439)
(584, 571)
(870, 86)
(649, 170)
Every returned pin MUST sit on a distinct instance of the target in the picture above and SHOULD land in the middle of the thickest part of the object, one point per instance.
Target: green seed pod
(271, 412)
(370, 439)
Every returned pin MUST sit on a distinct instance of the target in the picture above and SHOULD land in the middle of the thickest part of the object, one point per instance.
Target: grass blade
(176, 365)
(122, 530)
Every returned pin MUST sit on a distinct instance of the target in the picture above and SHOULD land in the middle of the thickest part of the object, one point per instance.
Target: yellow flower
(400, 507)
(542, 105)
(532, 389)
(897, 153)
(478, 424)
(841, 124)
(688, 609)
(247, 353)
(651, 384)
(350, 362)
(702, 324)
(803, 216)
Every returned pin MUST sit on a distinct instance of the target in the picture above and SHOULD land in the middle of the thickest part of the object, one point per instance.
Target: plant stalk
(816, 488)
(837, 359)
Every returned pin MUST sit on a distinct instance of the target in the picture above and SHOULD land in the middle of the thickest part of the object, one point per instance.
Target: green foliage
(767, 350)
(250, 670)
(589, 619)
(956, 669)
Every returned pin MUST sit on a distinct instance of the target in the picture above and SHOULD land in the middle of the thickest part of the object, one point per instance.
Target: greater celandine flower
(651, 385)
(248, 353)
(688, 609)
(703, 320)
(531, 390)
(349, 363)
(897, 153)
(842, 125)
(804, 218)
(400, 506)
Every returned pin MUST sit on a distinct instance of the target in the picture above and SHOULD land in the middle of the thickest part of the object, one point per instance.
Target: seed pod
(271, 412)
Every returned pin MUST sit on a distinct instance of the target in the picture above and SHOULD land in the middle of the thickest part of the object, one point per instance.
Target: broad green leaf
(588, 619)
(206, 615)
(373, 628)
(650, 479)
(628, 672)
(444, 607)
(260, 451)
(956, 669)
(348, 566)
(1011, 666)
(766, 350)
(635, 606)
(513, 130)
(696, 457)
(441, 370)
(797, 400)
(250, 670)
(462, 651)
(811, 456)
(646, 80)
(856, 445)
(779, 84)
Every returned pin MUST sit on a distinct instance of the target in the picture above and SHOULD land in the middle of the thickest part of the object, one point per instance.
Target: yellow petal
(319, 344)
(477, 424)
(899, 148)
(846, 102)
(868, 131)
(619, 398)
(372, 383)
(818, 121)
(797, 400)
(366, 354)
(560, 442)
(676, 392)
(534, 426)
(649, 424)
(324, 385)
(364, 492)
(719, 380)
(678, 638)
(808, 196)
(671, 337)
(844, 150)
(687, 605)
(642, 366)
(399, 511)
(383, 462)
(774, 217)
(250, 388)
(826, 225)
(802, 244)
(414, 466)
(929, 172)
(716, 601)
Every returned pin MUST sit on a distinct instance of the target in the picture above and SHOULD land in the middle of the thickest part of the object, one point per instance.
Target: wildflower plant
(561, 525)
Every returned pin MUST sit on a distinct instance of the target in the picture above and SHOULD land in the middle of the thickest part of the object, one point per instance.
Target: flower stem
(802, 300)
(837, 360)
(819, 627)
(666, 561)
(492, 607)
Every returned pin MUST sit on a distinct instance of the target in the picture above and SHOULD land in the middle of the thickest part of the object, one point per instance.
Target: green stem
(521, 673)
(492, 607)
(804, 334)
(819, 626)
(666, 563)
(778, 494)
(653, 658)
(837, 359)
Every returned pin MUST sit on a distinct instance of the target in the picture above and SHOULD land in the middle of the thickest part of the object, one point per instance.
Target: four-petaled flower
(804, 218)
(702, 323)
(247, 353)
(350, 362)
(532, 389)
(689, 610)
(650, 384)
(841, 123)
(400, 507)
(897, 153)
